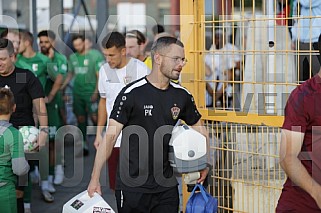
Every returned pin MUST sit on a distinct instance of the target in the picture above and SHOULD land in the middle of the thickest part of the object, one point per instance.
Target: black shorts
(136, 202)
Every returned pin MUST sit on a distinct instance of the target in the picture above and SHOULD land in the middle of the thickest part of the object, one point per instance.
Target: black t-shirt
(25, 87)
(152, 114)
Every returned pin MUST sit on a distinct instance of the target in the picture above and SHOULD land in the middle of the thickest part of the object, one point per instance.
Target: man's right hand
(94, 186)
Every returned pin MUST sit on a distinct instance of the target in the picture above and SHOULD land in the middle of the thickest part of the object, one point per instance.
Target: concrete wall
(258, 66)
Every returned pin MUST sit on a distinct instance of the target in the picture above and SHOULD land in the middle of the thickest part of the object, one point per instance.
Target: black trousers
(136, 202)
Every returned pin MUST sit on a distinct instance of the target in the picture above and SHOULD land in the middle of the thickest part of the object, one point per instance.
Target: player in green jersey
(83, 66)
(55, 104)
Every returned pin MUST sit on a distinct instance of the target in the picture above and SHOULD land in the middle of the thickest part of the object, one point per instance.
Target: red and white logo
(175, 111)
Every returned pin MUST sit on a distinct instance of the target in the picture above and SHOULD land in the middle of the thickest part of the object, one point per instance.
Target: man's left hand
(203, 174)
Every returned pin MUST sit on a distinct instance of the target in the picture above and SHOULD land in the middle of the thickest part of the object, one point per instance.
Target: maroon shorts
(112, 167)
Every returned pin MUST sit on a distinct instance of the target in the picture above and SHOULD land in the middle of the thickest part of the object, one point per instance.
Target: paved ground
(77, 172)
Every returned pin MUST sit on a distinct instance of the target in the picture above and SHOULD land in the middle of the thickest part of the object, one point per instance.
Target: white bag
(84, 204)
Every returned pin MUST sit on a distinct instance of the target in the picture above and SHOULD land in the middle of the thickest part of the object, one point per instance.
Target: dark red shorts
(112, 167)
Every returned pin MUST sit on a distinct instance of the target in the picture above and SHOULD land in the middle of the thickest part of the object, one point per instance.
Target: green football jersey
(11, 147)
(85, 67)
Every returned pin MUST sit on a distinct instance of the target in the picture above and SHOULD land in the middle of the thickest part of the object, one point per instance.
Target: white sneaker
(59, 175)
(45, 191)
(51, 188)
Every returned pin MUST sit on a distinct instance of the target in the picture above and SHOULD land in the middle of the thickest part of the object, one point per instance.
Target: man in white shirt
(113, 76)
